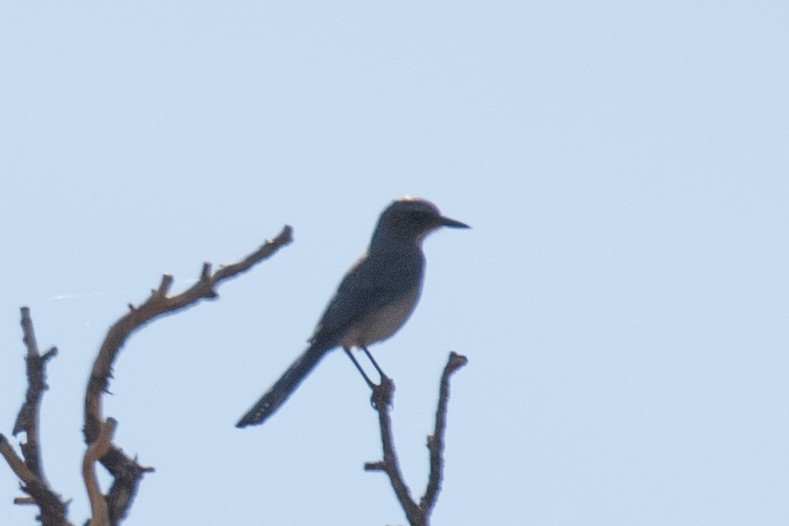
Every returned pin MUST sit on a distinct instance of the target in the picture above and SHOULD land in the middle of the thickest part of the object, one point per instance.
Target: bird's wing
(372, 283)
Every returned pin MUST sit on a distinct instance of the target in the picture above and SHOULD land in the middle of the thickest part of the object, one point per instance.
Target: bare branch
(27, 419)
(126, 472)
(17, 465)
(29, 468)
(98, 505)
(417, 514)
(53, 510)
(435, 442)
(382, 401)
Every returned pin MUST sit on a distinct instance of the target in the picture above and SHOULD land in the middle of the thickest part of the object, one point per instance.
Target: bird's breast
(381, 323)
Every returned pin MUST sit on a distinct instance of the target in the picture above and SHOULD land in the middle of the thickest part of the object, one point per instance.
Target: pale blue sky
(622, 298)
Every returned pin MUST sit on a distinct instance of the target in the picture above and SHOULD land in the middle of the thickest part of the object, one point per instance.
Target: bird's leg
(375, 364)
(382, 393)
(370, 383)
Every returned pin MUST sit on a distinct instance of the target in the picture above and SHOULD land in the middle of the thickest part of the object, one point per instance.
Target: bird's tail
(283, 388)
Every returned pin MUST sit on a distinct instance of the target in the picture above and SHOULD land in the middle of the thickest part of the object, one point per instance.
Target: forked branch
(125, 471)
(418, 514)
(109, 509)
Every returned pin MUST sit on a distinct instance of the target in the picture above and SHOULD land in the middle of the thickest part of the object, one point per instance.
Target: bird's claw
(382, 393)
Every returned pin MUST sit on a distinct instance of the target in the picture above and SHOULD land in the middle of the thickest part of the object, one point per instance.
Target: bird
(373, 301)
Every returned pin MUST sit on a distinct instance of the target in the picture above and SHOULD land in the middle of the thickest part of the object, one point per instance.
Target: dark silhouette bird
(374, 299)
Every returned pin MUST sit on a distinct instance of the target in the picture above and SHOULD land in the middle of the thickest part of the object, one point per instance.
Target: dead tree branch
(99, 513)
(417, 514)
(29, 468)
(109, 509)
(27, 419)
(126, 472)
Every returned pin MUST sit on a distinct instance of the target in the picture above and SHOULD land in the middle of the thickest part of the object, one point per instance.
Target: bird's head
(410, 219)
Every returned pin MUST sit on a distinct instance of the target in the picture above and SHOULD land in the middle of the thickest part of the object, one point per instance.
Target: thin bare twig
(27, 419)
(417, 514)
(126, 472)
(382, 401)
(29, 468)
(435, 442)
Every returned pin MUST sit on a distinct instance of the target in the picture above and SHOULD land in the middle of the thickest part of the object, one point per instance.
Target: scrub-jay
(374, 299)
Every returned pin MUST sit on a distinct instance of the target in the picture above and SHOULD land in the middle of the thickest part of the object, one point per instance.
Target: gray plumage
(374, 299)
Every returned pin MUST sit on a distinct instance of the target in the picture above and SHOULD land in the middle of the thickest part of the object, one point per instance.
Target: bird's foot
(382, 393)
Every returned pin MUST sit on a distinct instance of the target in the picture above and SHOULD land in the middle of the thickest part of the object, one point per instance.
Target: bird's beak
(451, 223)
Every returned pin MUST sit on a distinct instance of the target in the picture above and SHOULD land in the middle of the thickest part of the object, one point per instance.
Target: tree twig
(417, 514)
(435, 442)
(29, 468)
(126, 472)
(27, 419)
